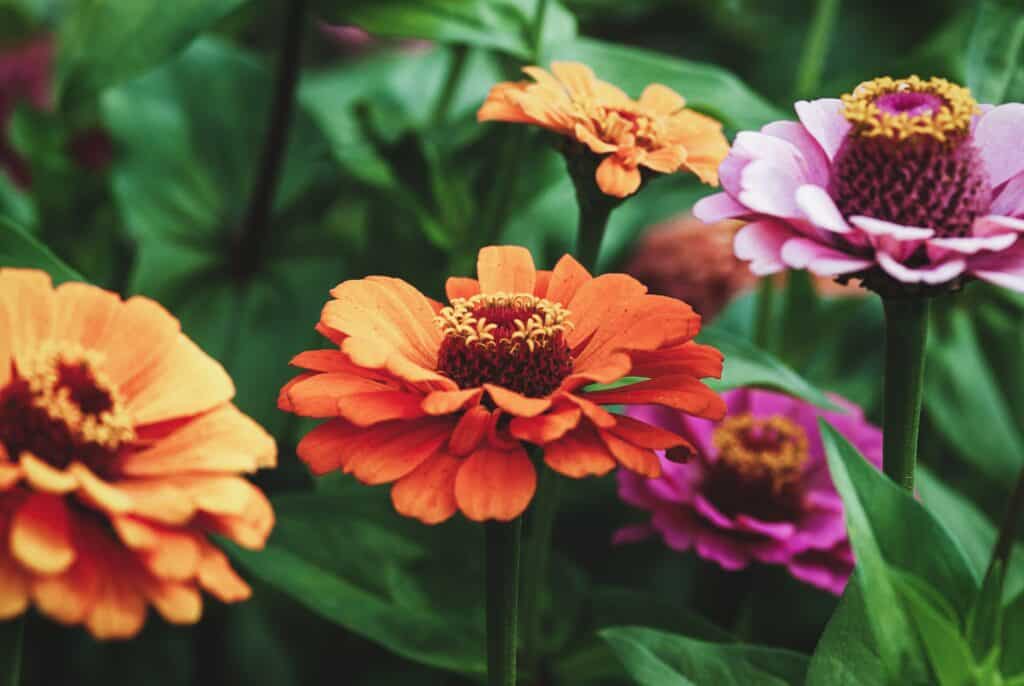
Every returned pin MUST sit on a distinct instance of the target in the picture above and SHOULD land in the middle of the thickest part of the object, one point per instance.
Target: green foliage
(994, 52)
(11, 639)
(20, 249)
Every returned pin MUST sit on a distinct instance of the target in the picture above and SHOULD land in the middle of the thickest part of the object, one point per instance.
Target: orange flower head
(120, 451)
(442, 400)
(656, 132)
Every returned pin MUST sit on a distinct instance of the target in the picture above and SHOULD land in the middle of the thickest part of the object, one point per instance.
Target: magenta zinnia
(907, 184)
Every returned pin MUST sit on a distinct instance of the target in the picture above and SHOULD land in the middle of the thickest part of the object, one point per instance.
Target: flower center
(909, 157)
(759, 466)
(513, 340)
(61, 408)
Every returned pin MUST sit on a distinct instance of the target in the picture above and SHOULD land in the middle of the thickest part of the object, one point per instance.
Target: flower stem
(906, 332)
(1008, 529)
(535, 561)
(812, 61)
(12, 635)
(595, 209)
(502, 543)
(460, 55)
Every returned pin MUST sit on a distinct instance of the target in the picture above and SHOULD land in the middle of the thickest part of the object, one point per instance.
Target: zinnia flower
(119, 452)
(906, 184)
(440, 399)
(656, 132)
(759, 489)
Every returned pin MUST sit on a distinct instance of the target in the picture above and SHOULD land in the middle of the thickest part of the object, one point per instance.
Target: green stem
(906, 332)
(460, 56)
(1008, 529)
(763, 306)
(595, 209)
(535, 561)
(537, 33)
(12, 636)
(812, 61)
(502, 543)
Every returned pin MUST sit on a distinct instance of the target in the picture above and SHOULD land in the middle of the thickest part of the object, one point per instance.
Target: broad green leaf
(655, 658)
(19, 249)
(994, 52)
(985, 620)
(15, 204)
(388, 580)
(191, 134)
(889, 625)
(505, 25)
(747, 365)
(11, 638)
(706, 87)
(846, 654)
(104, 42)
(962, 390)
(948, 652)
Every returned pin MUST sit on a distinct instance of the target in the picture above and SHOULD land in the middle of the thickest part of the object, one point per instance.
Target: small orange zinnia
(656, 132)
(119, 452)
(441, 399)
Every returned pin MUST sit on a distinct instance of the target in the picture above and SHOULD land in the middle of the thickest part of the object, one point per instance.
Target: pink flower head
(24, 76)
(758, 488)
(907, 184)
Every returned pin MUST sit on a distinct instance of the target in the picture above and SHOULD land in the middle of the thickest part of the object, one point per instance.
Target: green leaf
(846, 654)
(994, 52)
(16, 204)
(962, 390)
(1012, 652)
(388, 580)
(747, 365)
(11, 638)
(105, 42)
(655, 658)
(985, 620)
(948, 652)
(19, 249)
(889, 624)
(706, 87)
(505, 25)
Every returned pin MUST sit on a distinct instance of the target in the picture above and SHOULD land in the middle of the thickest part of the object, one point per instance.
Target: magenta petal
(633, 534)
(996, 224)
(819, 208)
(824, 120)
(1005, 269)
(678, 527)
(803, 253)
(779, 531)
(971, 245)
(939, 273)
(708, 511)
(826, 571)
(715, 208)
(724, 550)
(813, 162)
(634, 489)
(1009, 200)
(1000, 139)
(760, 243)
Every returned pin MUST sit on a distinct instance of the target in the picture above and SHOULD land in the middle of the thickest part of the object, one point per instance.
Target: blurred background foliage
(139, 167)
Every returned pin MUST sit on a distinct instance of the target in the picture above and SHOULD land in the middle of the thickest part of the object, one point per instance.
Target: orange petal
(218, 578)
(578, 454)
(646, 435)
(505, 269)
(223, 440)
(99, 493)
(184, 382)
(447, 402)
(167, 553)
(322, 449)
(158, 499)
(592, 411)
(320, 395)
(516, 403)
(10, 475)
(666, 159)
(178, 603)
(592, 141)
(428, 492)
(461, 287)
(119, 610)
(616, 179)
(42, 477)
(495, 484)
(661, 99)
(323, 361)
(377, 355)
(596, 300)
(13, 588)
(546, 427)
(566, 278)
(680, 392)
(84, 313)
(249, 528)
(367, 409)
(41, 534)
(640, 460)
(27, 298)
(689, 358)
(141, 335)
(578, 78)
(391, 450)
(606, 369)
(68, 597)
(470, 430)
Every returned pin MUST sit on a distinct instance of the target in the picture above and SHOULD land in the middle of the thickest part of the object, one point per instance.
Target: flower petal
(470, 430)
(578, 454)
(546, 427)
(516, 403)
(428, 492)
(689, 358)
(447, 402)
(461, 287)
(760, 243)
(820, 209)
(617, 179)
(495, 484)
(567, 278)
(899, 232)
(40, 536)
(824, 120)
(804, 253)
(505, 269)
(940, 273)
(640, 460)
(681, 392)
(390, 450)
(661, 99)
(999, 136)
(718, 207)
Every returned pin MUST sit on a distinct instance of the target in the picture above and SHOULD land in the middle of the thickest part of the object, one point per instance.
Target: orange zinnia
(440, 399)
(119, 452)
(656, 131)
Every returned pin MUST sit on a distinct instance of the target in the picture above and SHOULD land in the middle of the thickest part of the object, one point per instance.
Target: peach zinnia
(119, 452)
(441, 400)
(656, 132)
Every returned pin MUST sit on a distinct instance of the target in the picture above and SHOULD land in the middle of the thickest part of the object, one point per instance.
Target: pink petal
(803, 253)
(971, 245)
(715, 208)
(1005, 269)
(899, 232)
(1009, 200)
(633, 534)
(760, 243)
(824, 120)
(781, 154)
(940, 273)
(1000, 138)
(779, 531)
(819, 208)
(813, 162)
(996, 224)
(767, 188)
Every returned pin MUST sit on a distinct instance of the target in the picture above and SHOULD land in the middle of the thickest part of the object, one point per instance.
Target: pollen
(514, 340)
(770, 450)
(900, 109)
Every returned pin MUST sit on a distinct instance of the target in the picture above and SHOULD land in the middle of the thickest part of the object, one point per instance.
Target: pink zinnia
(907, 184)
(758, 488)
